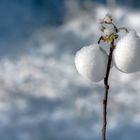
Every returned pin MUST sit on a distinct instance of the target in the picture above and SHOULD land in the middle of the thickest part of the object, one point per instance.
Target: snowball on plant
(127, 53)
(91, 62)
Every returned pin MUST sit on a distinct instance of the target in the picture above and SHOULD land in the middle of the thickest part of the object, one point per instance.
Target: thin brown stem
(123, 29)
(105, 100)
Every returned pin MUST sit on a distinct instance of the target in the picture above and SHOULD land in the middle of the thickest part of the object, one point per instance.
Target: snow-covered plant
(94, 63)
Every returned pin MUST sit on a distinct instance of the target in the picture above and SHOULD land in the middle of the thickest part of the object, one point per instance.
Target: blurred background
(42, 96)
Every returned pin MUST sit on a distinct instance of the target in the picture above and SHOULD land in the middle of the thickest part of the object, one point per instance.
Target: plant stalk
(105, 100)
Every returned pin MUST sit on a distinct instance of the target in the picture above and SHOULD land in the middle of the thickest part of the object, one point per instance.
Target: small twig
(106, 91)
(101, 38)
(115, 27)
(123, 29)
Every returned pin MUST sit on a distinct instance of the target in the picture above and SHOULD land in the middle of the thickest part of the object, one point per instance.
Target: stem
(123, 29)
(106, 91)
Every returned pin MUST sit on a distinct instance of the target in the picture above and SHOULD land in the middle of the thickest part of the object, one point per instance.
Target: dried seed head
(108, 19)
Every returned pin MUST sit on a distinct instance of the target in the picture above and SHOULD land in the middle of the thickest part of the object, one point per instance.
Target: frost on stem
(109, 29)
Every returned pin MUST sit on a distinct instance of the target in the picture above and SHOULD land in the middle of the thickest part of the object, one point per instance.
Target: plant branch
(105, 100)
(122, 29)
